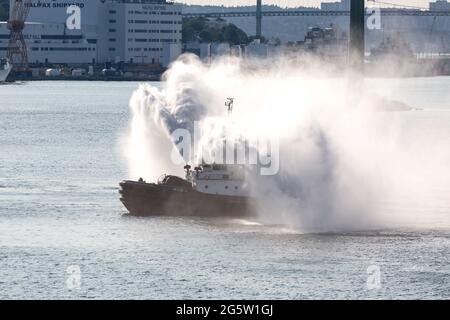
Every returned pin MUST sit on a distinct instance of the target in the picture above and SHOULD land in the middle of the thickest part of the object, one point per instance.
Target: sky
(295, 3)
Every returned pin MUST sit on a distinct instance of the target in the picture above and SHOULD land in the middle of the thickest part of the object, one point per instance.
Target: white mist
(345, 163)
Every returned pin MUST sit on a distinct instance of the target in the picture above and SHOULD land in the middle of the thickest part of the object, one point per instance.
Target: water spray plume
(342, 163)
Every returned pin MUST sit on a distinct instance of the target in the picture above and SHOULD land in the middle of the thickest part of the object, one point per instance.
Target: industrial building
(130, 31)
(343, 5)
(438, 5)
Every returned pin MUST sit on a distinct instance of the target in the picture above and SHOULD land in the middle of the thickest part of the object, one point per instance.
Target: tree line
(201, 29)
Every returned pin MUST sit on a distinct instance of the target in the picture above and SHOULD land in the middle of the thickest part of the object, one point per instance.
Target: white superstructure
(228, 180)
(137, 31)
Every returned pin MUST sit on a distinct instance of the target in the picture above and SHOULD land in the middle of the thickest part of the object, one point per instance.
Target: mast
(258, 19)
(229, 104)
(356, 42)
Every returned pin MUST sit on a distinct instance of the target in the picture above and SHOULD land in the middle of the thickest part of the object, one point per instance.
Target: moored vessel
(5, 69)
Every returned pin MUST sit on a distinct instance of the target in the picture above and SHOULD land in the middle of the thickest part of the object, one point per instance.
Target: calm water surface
(60, 163)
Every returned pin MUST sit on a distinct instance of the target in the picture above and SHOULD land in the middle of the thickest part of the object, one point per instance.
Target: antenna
(229, 103)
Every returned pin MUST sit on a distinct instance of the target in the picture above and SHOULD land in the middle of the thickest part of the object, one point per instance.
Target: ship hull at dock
(149, 199)
(5, 69)
(4, 74)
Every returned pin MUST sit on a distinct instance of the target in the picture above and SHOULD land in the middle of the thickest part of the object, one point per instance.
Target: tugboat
(5, 69)
(208, 191)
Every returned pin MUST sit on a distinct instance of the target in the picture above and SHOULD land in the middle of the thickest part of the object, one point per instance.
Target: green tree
(234, 35)
(199, 29)
(192, 27)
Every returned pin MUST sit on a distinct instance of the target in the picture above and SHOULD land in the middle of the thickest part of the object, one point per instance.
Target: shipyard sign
(69, 12)
(54, 4)
(72, 9)
(73, 21)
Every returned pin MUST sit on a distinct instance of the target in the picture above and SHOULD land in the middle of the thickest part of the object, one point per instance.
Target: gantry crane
(17, 48)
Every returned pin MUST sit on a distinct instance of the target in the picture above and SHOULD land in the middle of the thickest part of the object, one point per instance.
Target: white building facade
(130, 31)
(52, 43)
(139, 31)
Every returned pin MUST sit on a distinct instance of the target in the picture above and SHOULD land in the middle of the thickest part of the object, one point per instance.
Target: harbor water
(65, 235)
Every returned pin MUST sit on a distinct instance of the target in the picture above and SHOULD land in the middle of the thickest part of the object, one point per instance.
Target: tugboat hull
(149, 199)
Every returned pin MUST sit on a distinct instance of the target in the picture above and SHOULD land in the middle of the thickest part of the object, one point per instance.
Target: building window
(112, 30)
(66, 49)
(112, 21)
(112, 49)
